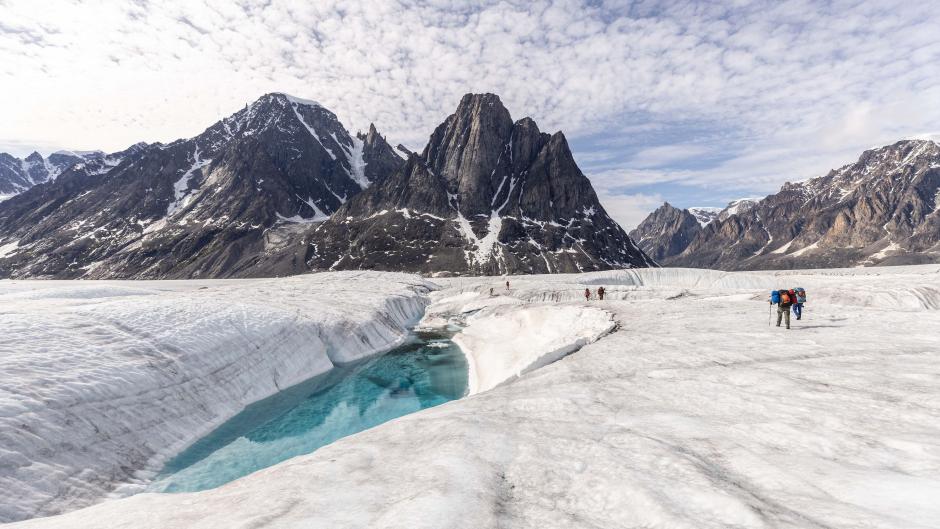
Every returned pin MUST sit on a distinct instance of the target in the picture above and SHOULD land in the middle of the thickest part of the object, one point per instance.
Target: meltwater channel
(427, 371)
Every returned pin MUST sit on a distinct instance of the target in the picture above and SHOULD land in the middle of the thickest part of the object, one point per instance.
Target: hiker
(798, 295)
(600, 293)
(491, 291)
(507, 285)
(782, 299)
(587, 294)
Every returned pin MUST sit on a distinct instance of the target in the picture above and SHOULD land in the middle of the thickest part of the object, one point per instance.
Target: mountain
(666, 232)
(207, 206)
(487, 195)
(884, 209)
(18, 175)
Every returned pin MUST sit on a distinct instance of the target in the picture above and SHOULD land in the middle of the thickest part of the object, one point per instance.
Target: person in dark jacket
(600, 293)
(587, 294)
(783, 307)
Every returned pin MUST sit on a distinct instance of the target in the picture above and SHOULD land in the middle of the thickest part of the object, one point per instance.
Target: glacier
(682, 408)
(105, 380)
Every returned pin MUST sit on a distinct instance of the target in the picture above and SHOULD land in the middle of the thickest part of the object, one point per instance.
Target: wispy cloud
(766, 91)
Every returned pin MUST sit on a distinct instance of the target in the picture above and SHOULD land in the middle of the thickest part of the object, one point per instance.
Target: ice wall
(103, 381)
(505, 341)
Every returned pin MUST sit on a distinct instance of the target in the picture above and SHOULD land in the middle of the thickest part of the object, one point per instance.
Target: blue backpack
(775, 296)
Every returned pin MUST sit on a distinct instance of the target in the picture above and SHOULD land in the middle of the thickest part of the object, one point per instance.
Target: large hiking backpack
(800, 295)
(775, 296)
(785, 297)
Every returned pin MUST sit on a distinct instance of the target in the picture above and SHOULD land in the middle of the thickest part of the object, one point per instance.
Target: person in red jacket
(797, 306)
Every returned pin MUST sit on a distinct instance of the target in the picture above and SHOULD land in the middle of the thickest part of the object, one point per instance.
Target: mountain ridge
(882, 209)
(257, 192)
(487, 195)
(168, 210)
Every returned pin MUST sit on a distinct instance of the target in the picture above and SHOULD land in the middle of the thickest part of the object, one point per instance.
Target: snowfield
(690, 412)
(104, 381)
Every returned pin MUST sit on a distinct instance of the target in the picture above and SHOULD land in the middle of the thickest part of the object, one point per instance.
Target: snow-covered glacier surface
(103, 381)
(692, 412)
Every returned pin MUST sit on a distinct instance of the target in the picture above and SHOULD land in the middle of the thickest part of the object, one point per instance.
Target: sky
(695, 103)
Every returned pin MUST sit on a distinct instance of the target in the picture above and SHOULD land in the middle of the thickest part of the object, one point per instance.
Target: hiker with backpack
(783, 301)
(587, 294)
(600, 293)
(798, 295)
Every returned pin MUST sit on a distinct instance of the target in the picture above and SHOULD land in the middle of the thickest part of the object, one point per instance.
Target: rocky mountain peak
(34, 157)
(486, 196)
(667, 231)
(467, 147)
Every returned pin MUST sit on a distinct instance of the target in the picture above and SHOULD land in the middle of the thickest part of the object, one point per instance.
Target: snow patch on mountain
(705, 215)
(357, 164)
(181, 192)
(485, 245)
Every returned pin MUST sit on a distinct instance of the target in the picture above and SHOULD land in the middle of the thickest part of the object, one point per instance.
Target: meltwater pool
(427, 371)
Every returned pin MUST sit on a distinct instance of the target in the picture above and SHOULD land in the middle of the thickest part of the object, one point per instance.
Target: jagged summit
(487, 195)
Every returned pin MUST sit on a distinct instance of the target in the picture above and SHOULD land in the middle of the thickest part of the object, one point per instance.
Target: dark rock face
(666, 232)
(486, 196)
(883, 209)
(207, 206)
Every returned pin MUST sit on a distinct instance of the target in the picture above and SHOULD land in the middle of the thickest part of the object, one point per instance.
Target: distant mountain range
(18, 175)
(282, 187)
(884, 209)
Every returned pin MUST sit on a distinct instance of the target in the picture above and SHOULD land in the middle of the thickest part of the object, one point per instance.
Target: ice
(357, 164)
(809, 248)
(531, 337)
(9, 248)
(103, 381)
(783, 249)
(181, 193)
(486, 246)
(301, 101)
(693, 412)
(705, 215)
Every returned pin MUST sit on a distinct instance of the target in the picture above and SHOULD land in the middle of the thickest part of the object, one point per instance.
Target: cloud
(765, 91)
(630, 210)
(665, 155)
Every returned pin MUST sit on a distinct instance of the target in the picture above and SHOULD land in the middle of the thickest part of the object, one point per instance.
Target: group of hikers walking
(785, 300)
(600, 293)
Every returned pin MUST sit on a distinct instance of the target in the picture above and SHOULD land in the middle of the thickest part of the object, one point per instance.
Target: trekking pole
(770, 314)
